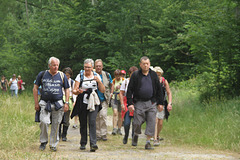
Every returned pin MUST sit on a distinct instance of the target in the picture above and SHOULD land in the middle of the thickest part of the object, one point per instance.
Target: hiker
(123, 74)
(51, 102)
(144, 96)
(87, 104)
(4, 84)
(20, 83)
(63, 128)
(115, 102)
(101, 121)
(128, 116)
(13, 83)
(167, 106)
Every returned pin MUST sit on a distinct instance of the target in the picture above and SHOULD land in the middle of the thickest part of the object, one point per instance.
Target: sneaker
(135, 140)
(83, 147)
(43, 146)
(114, 132)
(75, 126)
(119, 131)
(93, 148)
(104, 138)
(54, 149)
(148, 146)
(156, 143)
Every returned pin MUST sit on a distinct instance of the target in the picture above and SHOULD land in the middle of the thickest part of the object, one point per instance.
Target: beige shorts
(161, 115)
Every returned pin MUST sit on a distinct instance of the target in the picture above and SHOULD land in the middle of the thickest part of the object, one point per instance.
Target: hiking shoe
(156, 143)
(43, 146)
(148, 146)
(134, 140)
(114, 132)
(119, 131)
(64, 139)
(83, 147)
(125, 140)
(93, 148)
(104, 138)
(54, 149)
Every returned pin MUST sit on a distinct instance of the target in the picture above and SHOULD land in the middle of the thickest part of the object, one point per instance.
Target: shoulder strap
(81, 77)
(72, 81)
(94, 73)
(61, 75)
(43, 73)
(107, 75)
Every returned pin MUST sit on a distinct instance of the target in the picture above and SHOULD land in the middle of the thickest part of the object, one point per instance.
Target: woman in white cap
(167, 106)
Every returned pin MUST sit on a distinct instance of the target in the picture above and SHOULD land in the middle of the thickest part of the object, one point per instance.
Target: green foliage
(185, 38)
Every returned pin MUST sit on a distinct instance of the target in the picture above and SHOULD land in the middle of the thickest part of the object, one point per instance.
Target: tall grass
(213, 125)
(17, 126)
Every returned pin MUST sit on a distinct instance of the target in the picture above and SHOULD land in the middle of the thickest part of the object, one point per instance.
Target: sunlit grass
(214, 125)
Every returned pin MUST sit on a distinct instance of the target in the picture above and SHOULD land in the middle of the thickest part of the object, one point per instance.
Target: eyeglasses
(87, 67)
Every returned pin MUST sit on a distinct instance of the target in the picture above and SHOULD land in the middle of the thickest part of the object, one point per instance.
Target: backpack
(82, 76)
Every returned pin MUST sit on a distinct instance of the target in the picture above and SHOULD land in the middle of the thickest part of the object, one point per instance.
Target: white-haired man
(51, 103)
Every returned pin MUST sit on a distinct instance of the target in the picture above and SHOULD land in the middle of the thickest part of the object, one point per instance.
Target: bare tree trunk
(27, 13)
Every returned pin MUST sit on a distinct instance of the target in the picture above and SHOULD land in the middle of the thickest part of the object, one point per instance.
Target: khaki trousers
(101, 121)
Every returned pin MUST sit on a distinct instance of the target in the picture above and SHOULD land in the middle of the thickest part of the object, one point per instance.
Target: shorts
(116, 106)
(161, 115)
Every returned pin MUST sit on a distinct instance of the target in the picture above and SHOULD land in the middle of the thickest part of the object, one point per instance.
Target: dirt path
(114, 149)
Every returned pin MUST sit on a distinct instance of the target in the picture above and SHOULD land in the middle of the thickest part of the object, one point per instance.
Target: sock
(148, 141)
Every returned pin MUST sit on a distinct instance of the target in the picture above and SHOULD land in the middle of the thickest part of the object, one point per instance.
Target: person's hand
(37, 107)
(118, 87)
(131, 108)
(77, 91)
(169, 107)
(160, 108)
(97, 79)
(66, 107)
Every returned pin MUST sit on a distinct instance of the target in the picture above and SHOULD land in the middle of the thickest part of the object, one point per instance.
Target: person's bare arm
(35, 95)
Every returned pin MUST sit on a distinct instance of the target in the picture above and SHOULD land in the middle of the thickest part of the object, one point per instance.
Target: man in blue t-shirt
(51, 102)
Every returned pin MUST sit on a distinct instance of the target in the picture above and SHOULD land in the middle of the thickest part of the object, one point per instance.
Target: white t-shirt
(87, 83)
(70, 87)
(14, 84)
(124, 86)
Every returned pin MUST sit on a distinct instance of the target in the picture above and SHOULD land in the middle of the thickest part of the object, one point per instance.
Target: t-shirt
(20, 84)
(124, 86)
(117, 83)
(51, 86)
(86, 84)
(14, 84)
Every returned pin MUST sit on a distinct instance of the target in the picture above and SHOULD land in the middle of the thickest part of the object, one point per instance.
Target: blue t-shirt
(51, 86)
(100, 94)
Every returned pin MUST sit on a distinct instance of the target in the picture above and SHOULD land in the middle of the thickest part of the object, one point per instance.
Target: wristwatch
(67, 103)
(170, 104)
